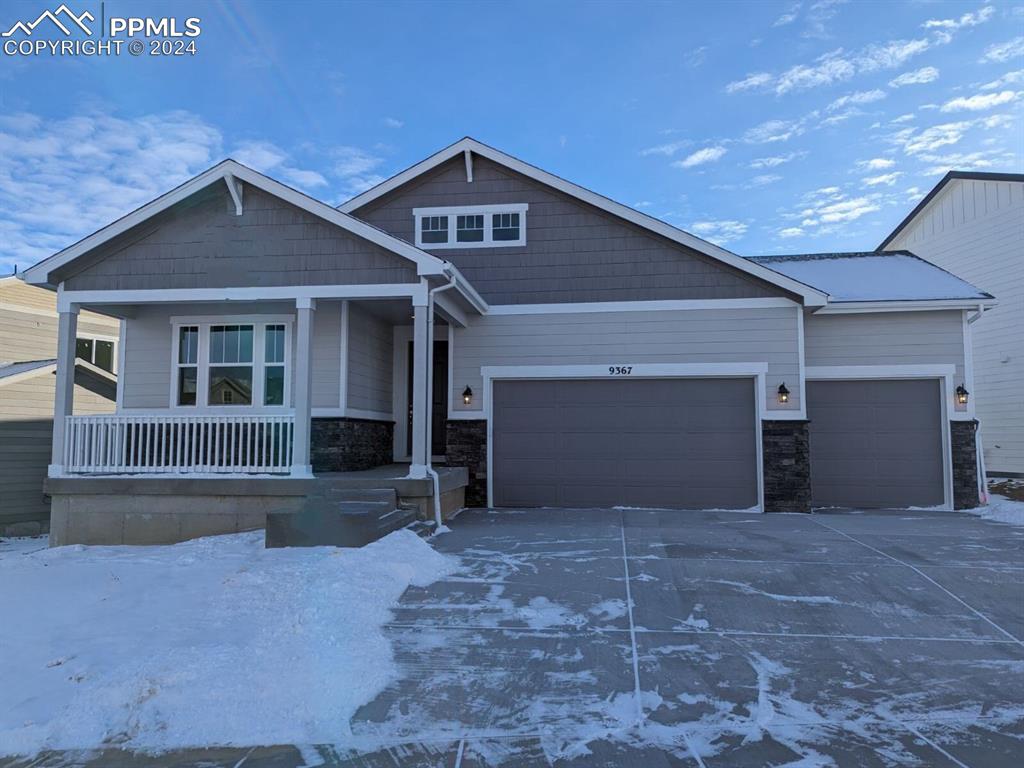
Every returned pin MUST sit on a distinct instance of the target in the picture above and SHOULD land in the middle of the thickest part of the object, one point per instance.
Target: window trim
(470, 210)
(94, 338)
(259, 365)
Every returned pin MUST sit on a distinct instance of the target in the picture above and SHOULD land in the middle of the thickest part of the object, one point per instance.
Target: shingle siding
(201, 243)
(573, 253)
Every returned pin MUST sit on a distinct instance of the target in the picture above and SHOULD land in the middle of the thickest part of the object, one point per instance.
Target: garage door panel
(875, 443)
(673, 443)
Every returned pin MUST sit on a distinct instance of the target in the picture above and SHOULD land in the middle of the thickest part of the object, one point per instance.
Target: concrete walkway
(653, 638)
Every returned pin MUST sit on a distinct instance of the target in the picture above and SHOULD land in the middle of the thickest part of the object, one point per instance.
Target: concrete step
(341, 519)
(387, 495)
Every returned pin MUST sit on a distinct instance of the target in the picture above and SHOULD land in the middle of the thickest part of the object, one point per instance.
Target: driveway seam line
(930, 743)
(925, 576)
(632, 626)
(458, 756)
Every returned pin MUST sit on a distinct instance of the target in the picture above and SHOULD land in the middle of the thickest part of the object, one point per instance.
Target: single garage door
(875, 444)
(669, 443)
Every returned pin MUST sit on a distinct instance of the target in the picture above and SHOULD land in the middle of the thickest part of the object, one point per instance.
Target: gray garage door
(671, 443)
(875, 444)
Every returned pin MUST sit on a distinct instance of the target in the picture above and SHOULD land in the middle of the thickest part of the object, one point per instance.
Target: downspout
(978, 447)
(438, 522)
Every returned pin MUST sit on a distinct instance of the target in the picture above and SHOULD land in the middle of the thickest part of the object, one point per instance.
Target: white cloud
(720, 232)
(967, 20)
(847, 210)
(858, 97)
(393, 122)
(666, 149)
(888, 179)
(917, 77)
(788, 17)
(756, 80)
(776, 160)
(772, 131)
(261, 155)
(979, 102)
(696, 57)
(790, 232)
(1003, 52)
(876, 164)
(1008, 79)
(827, 69)
(701, 156)
(765, 179)
(903, 118)
(303, 179)
(972, 161)
(937, 136)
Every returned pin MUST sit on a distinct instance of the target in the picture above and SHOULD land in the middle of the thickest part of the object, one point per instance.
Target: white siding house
(972, 224)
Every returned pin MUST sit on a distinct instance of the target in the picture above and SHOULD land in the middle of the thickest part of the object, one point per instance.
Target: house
(972, 224)
(28, 350)
(542, 344)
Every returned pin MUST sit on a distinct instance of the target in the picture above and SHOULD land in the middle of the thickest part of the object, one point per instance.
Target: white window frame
(94, 338)
(259, 365)
(487, 211)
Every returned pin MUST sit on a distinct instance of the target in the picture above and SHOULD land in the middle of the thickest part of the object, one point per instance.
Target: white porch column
(64, 401)
(304, 308)
(420, 406)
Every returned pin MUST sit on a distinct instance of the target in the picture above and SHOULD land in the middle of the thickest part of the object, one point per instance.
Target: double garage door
(692, 443)
(670, 443)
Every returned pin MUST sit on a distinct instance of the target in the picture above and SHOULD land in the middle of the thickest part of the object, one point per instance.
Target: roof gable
(810, 296)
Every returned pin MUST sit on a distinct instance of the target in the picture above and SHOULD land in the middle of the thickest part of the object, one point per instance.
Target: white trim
(801, 361)
(343, 372)
(637, 306)
(469, 166)
(14, 378)
(757, 372)
(852, 307)
(945, 375)
(451, 213)
(426, 264)
(351, 413)
(968, 366)
(235, 190)
(121, 355)
(445, 307)
(401, 336)
(229, 319)
(266, 293)
(811, 296)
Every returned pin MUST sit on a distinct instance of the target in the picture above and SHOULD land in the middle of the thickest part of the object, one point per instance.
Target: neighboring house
(973, 225)
(479, 312)
(28, 350)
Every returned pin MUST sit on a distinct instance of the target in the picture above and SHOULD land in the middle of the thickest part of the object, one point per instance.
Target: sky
(766, 127)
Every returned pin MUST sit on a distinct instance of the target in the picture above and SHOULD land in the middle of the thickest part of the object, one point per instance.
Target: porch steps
(339, 517)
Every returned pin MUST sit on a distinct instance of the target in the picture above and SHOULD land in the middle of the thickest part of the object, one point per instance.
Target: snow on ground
(1001, 510)
(216, 641)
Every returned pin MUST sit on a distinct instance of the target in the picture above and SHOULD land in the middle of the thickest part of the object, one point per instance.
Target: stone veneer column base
(787, 466)
(963, 443)
(349, 445)
(466, 446)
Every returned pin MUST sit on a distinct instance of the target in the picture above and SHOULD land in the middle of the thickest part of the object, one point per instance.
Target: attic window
(473, 226)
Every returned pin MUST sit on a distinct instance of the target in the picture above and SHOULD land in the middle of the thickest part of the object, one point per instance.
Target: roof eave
(905, 305)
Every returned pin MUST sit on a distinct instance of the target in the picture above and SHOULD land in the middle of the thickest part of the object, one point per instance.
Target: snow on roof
(13, 369)
(872, 276)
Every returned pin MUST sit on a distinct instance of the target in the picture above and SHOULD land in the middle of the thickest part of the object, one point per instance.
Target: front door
(439, 408)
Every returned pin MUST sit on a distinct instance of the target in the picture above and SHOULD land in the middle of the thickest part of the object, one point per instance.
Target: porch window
(471, 226)
(231, 363)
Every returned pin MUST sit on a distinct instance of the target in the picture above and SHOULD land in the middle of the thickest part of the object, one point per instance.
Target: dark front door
(439, 408)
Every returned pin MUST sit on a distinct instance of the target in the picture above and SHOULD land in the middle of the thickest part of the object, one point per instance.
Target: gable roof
(811, 296)
(228, 171)
(14, 372)
(938, 188)
(893, 276)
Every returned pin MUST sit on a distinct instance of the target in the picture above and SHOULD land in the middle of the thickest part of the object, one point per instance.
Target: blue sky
(766, 127)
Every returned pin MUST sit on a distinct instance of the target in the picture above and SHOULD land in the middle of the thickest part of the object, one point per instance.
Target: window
(231, 363)
(99, 352)
(469, 229)
(473, 226)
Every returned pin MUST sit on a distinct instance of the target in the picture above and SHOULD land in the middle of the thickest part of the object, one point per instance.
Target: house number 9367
(620, 370)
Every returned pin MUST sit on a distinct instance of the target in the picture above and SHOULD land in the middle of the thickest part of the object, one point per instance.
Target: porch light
(467, 396)
(962, 395)
(783, 393)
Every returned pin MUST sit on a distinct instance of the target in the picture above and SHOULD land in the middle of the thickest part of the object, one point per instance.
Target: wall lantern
(467, 396)
(783, 393)
(962, 395)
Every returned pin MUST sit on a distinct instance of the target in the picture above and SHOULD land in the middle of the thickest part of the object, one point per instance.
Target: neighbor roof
(951, 176)
(811, 296)
(873, 276)
(8, 370)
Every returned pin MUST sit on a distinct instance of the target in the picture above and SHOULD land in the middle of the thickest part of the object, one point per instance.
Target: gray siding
(767, 334)
(574, 252)
(886, 338)
(26, 429)
(201, 243)
(326, 351)
(370, 362)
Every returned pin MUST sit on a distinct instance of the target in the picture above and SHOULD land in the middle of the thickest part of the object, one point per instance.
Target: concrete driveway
(654, 638)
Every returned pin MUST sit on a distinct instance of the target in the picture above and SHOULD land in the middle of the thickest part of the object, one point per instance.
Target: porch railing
(178, 444)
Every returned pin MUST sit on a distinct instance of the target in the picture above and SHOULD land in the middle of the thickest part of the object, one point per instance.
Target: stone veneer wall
(787, 466)
(348, 445)
(965, 463)
(467, 447)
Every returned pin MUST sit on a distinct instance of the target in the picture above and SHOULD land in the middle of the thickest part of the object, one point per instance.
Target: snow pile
(1001, 510)
(216, 641)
